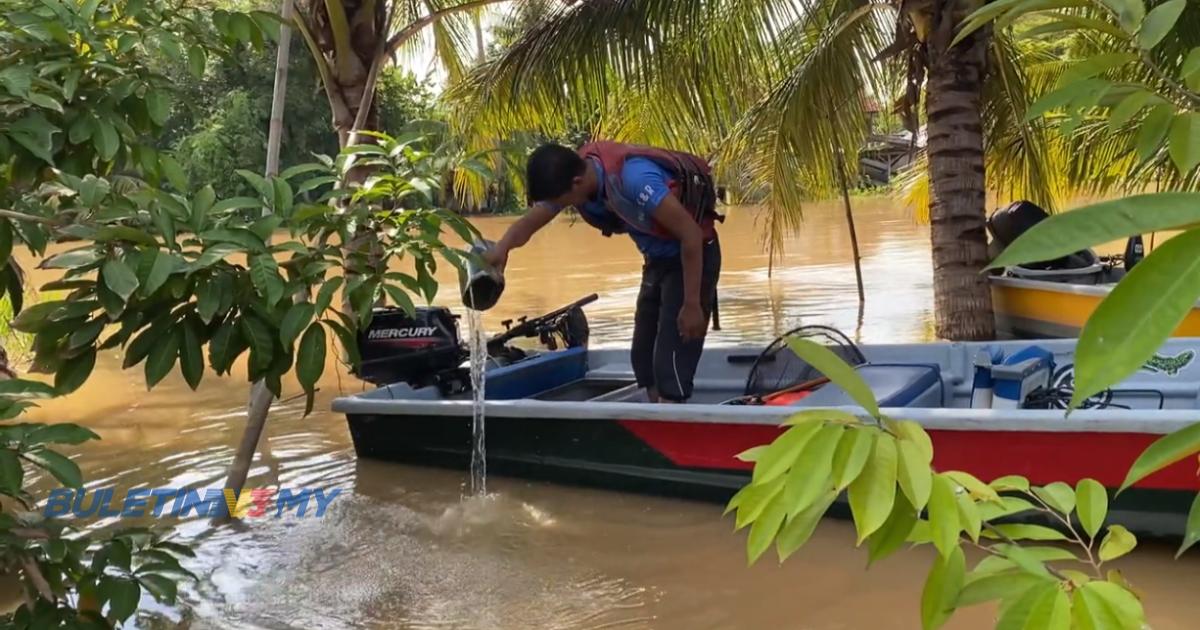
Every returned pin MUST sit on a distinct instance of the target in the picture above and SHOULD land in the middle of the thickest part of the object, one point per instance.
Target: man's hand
(691, 322)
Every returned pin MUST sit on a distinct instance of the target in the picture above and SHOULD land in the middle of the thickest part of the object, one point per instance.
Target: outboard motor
(1135, 251)
(417, 350)
(1010, 222)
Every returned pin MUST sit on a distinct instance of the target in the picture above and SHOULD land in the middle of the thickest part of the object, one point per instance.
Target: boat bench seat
(894, 385)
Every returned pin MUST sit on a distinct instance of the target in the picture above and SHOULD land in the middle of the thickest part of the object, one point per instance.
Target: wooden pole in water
(841, 169)
(259, 405)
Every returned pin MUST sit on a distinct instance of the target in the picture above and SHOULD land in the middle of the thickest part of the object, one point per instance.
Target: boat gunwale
(943, 419)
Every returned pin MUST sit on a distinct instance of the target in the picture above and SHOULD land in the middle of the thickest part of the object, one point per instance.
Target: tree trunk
(954, 83)
(351, 74)
(259, 404)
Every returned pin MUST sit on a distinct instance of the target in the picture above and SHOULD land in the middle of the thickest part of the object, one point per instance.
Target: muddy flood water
(399, 548)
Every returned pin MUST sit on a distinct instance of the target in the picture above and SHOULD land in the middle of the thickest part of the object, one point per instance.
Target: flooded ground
(400, 549)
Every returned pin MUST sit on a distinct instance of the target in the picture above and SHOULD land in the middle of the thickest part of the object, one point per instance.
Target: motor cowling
(1010, 222)
(415, 349)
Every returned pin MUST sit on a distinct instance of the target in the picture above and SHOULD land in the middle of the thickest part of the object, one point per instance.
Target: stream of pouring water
(477, 344)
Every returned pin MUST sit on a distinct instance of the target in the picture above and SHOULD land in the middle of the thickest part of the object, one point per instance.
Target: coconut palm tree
(775, 88)
(352, 40)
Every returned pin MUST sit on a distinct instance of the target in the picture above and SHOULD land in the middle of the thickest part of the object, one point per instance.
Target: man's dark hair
(550, 170)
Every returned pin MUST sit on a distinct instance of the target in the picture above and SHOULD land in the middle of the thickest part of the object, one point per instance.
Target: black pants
(660, 358)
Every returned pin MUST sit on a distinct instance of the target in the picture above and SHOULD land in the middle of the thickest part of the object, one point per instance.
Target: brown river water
(399, 548)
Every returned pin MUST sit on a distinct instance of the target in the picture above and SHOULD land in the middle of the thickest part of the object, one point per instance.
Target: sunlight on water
(477, 342)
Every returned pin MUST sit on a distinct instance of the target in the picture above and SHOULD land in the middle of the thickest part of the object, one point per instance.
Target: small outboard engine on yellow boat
(426, 348)
(1010, 222)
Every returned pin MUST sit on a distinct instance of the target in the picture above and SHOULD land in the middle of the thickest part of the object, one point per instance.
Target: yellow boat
(1043, 308)
(1054, 298)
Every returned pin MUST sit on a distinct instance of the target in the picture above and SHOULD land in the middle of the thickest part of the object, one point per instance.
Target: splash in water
(477, 344)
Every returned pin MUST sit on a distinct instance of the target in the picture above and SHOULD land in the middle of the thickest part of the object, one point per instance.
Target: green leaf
(213, 255)
(63, 433)
(236, 203)
(1028, 562)
(301, 169)
(174, 172)
(297, 318)
(1064, 96)
(981, 491)
(969, 516)
(202, 203)
(909, 431)
(191, 355)
(1184, 141)
(1057, 495)
(1159, 21)
(63, 469)
(1044, 607)
(851, 456)
(1006, 506)
(348, 340)
(1117, 542)
(284, 196)
(122, 595)
(325, 295)
(943, 516)
(809, 479)
(1192, 529)
(12, 474)
(6, 241)
(800, 527)
(872, 494)
(264, 273)
(1023, 531)
(1009, 483)
(74, 372)
(162, 358)
(894, 532)
(400, 298)
(162, 265)
(1102, 605)
(1005, 586)
(225, 346)
(162, 588)
(763, 531)
(835, 369)
(1130, 13)
(914, 474)
(1190, 71)
(124, 233)
(1153, 131)
(36, 134)
(1092, 505)
(1096, 65)
(1152, 299)
(310, 357)
(106, 139)
(1129, 106)
(752, 500)
(158, 105)
(238, 236)
(784, 451)
(751, 454)
(120, 278)
(945, 581)
(197, 60)
(260, 184)
(22, 388)
(259, 338)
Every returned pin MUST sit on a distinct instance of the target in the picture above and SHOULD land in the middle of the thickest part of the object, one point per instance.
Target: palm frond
(1024, 159)
(790, 140)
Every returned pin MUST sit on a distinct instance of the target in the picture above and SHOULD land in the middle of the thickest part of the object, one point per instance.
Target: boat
(1054, 298)
(568, 413)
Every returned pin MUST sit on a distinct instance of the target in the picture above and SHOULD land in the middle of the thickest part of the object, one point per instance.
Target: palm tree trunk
(962, 296)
